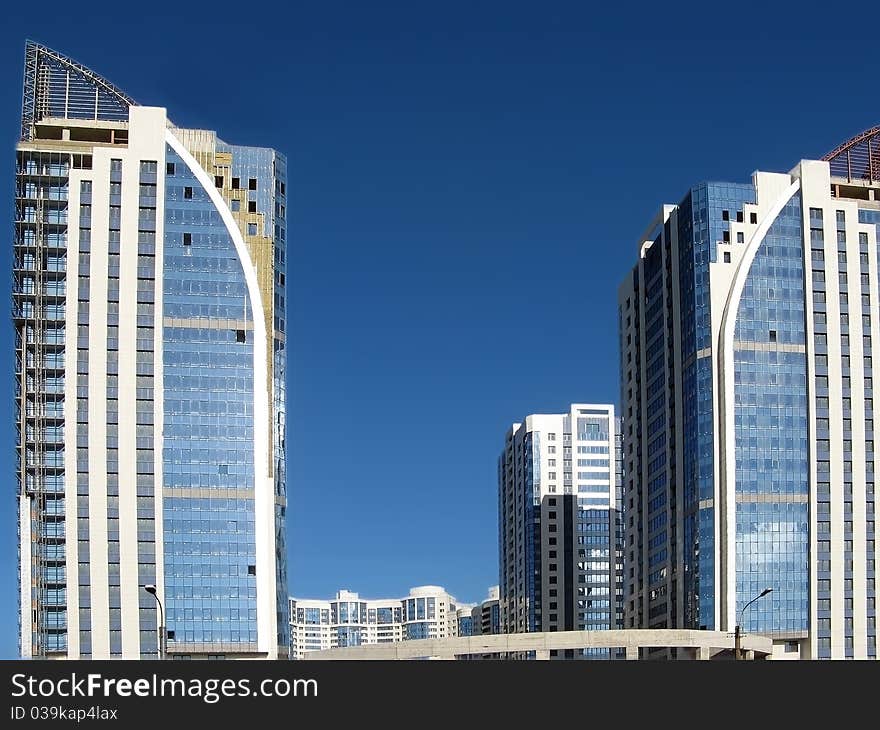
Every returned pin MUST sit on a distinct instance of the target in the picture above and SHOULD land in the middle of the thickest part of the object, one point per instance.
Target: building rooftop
(858, 158)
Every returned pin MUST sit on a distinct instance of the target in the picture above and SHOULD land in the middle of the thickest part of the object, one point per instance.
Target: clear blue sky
(468, 181)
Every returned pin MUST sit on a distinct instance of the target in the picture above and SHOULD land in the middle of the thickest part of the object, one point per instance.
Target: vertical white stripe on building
(147, 143)
(128, 285)
(98, 570)
(25, 578)
(71, 334)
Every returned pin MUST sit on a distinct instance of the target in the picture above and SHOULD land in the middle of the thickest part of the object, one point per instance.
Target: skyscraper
(556, 510)
(747, 335)
(149, 285)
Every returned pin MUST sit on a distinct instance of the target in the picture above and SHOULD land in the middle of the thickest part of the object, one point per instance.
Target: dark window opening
(252, 570)
(236, 183)
(252, 183)
(726, 257)
(725, 215)
(725, 236)
(252, 206)
(169, 168)
(188, 193)
(187, 239)
(218, 181)
(753, 217)
(239, 336)
(739, 216)
(772, 335)
(170, 634)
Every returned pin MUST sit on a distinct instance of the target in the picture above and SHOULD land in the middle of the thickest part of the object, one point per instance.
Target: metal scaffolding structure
(57, 86)
(857, 159)
(39, 281)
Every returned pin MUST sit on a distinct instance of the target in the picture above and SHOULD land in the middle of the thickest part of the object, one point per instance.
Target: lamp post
(737, 641)
(163, 647)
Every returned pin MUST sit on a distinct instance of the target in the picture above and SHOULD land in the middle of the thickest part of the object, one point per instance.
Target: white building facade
(428, 612)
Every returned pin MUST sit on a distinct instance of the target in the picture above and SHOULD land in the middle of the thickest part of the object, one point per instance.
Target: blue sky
(467, 185)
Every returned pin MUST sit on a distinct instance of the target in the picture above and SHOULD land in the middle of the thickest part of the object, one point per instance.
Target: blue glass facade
(208, 361)
(701, 224)
(262, 173)
(531, 495)
(770, 374)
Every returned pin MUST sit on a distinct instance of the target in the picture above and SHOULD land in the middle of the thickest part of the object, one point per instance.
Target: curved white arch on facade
(726, 423)
(264, 491)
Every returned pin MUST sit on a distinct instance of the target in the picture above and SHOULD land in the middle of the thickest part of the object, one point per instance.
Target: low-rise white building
(428, 612)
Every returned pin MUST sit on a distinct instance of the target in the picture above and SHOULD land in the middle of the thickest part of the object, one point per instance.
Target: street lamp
(737, 642)
(163, 646)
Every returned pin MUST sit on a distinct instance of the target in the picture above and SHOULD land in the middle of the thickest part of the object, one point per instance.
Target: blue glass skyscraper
(747, 330)
(149, 299)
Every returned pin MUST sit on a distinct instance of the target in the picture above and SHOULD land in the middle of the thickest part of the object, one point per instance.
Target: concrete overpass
(696, 644)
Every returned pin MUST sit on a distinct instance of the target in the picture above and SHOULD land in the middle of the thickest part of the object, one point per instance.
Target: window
(727, 257)
(169, 168)
(772, 335)
(252, 183)
(218, 181)
(725, 215)
(188, 193)
(240, 336)
(725, 236)
(252, 570)
(235, 205)
(740, 237)
(236, 183)
(252, 206)
(252, 229)
(551, 436)
(187, 239)
(753, 218)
